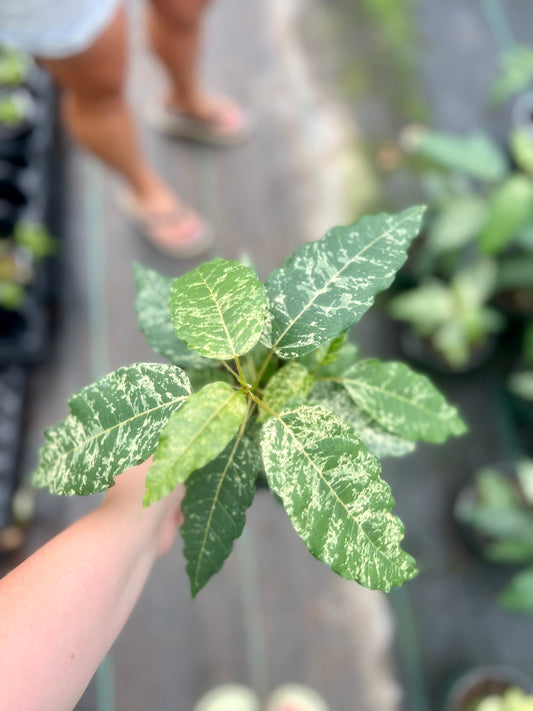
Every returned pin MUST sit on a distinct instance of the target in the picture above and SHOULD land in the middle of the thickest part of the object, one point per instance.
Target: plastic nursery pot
(23, 333)
(17, 161)
(20, 187)
(421, 353)
(521, 408)
(18, 148)
(29, 136)
(521, 411)
(516, 303)
(27, 106)
(8, 218)
(477, 684)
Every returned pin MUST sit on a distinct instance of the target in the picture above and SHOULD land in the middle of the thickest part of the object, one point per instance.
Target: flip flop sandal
(178, 125)
(295, 697)
(195, 241)
(229, 697)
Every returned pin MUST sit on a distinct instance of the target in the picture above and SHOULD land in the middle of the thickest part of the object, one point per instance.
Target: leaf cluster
(513, 699)
(19, 254)
(516, 73)
(14, 107)
(501, 514)
(14, 66)
(262, 380)
(476, 253)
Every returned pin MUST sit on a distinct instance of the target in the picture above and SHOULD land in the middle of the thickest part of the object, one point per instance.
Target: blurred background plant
(513, 700)
(14, 67)
(452, 321)
(496, 514)
(516, 74)
(19, 256)
(473, 267)
(14, 108)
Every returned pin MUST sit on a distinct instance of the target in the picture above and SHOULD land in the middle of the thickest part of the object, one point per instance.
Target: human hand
(160, 520)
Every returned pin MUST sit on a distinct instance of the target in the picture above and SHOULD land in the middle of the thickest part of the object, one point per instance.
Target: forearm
(63, 608)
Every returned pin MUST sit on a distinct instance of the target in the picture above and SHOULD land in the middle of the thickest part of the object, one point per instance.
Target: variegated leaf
(113, 424)
(219, 309)
(333, 397)
(208, 422)
(214, 509)
(152, 306)
(402, 401)
(331, 488)
(326, 286)
(291, 382)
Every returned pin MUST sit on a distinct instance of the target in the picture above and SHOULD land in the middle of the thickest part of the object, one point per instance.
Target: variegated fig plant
(262, 381)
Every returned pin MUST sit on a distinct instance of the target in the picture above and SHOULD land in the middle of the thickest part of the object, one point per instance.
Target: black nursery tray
(13, 382)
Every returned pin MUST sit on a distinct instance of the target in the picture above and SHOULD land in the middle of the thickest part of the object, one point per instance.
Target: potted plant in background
(458, 175)
(274, 343)
(491, 688)
(481, 207)
(17, 113)
(26, 121)
(23, 311)
(495, 514)
(516, 74)
(15, 67)
(451, 326)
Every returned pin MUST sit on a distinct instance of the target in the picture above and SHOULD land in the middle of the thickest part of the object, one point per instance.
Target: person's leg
(174, 30)
(97, 114)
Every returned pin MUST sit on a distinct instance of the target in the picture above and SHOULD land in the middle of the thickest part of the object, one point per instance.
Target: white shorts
(54, 29)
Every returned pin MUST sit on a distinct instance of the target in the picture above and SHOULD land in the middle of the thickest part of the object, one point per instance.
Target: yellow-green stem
(260, 403)
(241, 377)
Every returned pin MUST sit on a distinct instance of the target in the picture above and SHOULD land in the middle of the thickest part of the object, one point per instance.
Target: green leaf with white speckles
(194, 436)
(331, 488)
(214, 509)
(326, 286)
(402, 401)
(291, 382)
(152, 306)
(219, 309)
(113, 424)
(333, 397)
